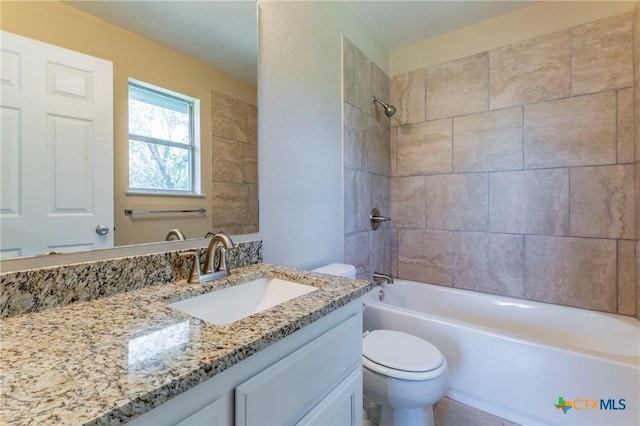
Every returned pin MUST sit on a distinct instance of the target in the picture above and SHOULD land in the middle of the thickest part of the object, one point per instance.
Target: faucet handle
(194, 276)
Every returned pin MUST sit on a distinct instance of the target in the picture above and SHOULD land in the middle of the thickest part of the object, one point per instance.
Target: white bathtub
(514, 358)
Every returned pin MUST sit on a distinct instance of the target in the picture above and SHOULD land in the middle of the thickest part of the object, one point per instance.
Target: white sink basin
(234, 303)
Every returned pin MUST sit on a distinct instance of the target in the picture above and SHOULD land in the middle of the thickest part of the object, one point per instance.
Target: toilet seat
(401, 355)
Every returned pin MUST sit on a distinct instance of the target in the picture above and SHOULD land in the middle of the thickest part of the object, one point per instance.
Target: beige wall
(133, 56)
(234, 165)
(513, 169)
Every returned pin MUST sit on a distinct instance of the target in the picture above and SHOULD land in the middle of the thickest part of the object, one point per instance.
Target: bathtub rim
(370, 299)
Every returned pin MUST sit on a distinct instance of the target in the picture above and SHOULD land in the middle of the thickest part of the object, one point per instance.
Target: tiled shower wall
(636, 79)
(514, 170)
(367, 165)
(234, 151)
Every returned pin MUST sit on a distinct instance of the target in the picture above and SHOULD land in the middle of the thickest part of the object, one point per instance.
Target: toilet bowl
(403, 375)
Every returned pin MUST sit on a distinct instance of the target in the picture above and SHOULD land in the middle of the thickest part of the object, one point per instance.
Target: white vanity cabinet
(312, 377)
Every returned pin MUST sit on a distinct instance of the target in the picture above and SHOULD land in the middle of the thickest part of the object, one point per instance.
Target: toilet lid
(401, 351)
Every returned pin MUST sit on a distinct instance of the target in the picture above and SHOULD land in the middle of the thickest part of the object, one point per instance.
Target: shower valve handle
(375, 219)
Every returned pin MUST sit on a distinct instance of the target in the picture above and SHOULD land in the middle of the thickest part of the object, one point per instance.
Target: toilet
(403, 375)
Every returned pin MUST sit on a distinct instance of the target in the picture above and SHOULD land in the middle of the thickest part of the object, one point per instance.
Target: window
(162, 141)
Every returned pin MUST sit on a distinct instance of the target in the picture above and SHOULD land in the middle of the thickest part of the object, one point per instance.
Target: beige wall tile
(636, 56)
(357, 200)
(458, 87)
(625, 126)
(356, 253)
(226, 161)
(531, 71)
(529, 202)
(488, 141)
(636, 78)
(356, 77)
(571, 271)
(408, 95)
(248, 229)
(394, 252)
(229, 117)
(393, 150)
(571, 132)
(603, 201)
(355, 137)
(250, 163)
(637, 278)
(424, 148)
(230, 229)
(408, 201)
(457, 202)
(381, 197)
(381, 88)
(425, 256)
(627, 277)
(252, 207)
(349, 77)
(252, 124)
(380, 251)
(377, 154)
(250, 170)
(490, 263)
(602, 55)
(230, 206)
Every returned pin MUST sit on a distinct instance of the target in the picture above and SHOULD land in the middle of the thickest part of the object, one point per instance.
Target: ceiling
(224, 34)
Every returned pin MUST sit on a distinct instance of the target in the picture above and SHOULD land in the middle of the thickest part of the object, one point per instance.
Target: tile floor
(452, 413)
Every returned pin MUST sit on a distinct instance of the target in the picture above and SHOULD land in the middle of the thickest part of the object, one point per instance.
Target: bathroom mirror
(210, 52)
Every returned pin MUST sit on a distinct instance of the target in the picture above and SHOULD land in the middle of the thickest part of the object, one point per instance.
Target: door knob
(102, 229)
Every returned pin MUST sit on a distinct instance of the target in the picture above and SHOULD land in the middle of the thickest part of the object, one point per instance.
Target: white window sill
(164, 194)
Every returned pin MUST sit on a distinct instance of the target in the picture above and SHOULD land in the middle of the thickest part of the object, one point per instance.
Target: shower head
(389, 110)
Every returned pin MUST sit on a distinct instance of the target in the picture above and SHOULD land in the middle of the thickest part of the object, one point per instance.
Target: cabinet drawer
(284, 392)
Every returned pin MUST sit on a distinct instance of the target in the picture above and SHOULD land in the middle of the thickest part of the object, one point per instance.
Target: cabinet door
(286, 391)
(210, 414)
(343, 406)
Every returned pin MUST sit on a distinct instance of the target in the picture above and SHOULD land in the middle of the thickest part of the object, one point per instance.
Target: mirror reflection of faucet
(175, 234)
(211, 269)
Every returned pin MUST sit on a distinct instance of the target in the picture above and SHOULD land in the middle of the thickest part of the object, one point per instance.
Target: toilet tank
(339, 269)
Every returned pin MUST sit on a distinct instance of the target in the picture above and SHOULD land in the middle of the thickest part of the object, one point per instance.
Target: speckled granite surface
(108, 360)
(44, 288)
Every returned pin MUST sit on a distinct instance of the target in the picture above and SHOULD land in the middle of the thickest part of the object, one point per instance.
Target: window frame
(193, 147)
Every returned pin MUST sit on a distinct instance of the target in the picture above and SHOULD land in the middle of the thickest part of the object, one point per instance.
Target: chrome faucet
(222, 264)
(209, 271)
(379, 277)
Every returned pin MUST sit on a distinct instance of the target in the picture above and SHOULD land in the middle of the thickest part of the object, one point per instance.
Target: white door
(56, 161)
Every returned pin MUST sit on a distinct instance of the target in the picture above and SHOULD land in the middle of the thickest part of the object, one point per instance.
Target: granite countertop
(115, 358)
